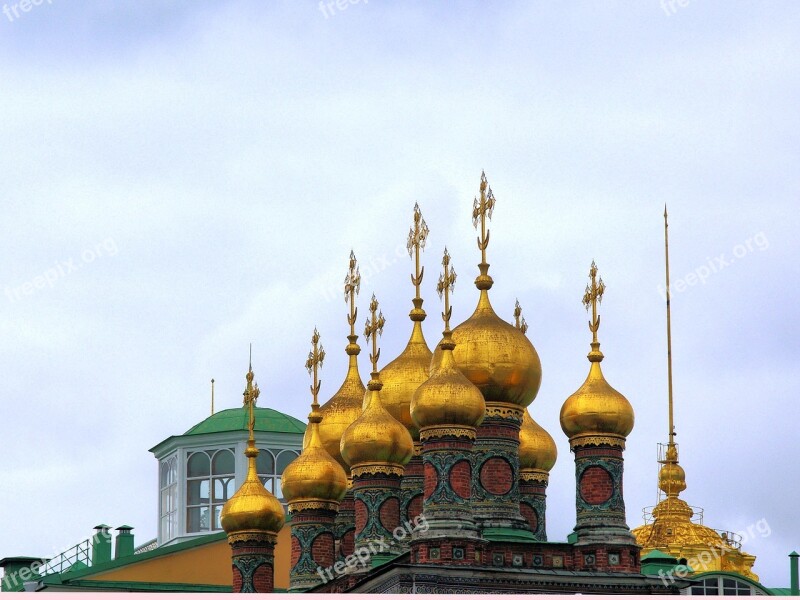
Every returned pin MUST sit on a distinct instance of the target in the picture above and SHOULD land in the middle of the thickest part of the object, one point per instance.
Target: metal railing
(79, 554)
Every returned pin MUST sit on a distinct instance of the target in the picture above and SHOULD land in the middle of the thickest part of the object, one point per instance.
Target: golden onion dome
(252, 508)
(496, 356)
(403, 376)
(447, 399)
(343, 408)
(671, 476)
(376, 438)
(314, 476)
(537, 450)
(596, 408)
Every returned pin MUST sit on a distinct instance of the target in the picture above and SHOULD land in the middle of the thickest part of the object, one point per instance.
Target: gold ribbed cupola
(344, 407)
(493, 354)
(537, 449)
(672, 526)
(596, 413)
(314, 479)
(402, 376)
(252, 510)
(376, 442)
(447, 403)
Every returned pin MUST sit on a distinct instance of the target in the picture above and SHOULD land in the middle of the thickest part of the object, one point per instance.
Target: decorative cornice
(377, 469)
(441, 431)
(616, 441)
(260, 537)
(313, 505)
(534, 475)
(504, 410)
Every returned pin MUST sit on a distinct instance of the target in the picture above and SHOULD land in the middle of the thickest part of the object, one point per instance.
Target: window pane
(284, 458)
(198, 465)
(223, 488)
(164, 474)
(198, 492)
(193, 520)
(265, 463)
(217, 513)
(223, 463)
(172, 477)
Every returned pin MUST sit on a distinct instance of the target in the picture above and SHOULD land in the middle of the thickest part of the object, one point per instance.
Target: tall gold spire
(592, 297)
(669, 331)
(212, 397)
(402, 376)
(345, 405)
(481, 210)
(519, 320)
(314, 479)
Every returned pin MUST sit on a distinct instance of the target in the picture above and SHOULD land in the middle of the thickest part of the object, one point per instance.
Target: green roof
(235, 419)
(658, 555)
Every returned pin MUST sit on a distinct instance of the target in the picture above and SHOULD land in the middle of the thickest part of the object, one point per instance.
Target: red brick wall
(461, 478)
(348, 543)
(596, 485)
(361, 515)
(530, 515)
(322, 549)
(496, 476)
(414, 508)
(263, 579)
(390, 514)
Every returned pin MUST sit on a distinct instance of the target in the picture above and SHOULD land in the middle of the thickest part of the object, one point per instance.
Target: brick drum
(596, 485)
(263, 579)
(430, 479)
(361, 515)
(530, 515)
(461, 478)
(496, 476)
(295, 551)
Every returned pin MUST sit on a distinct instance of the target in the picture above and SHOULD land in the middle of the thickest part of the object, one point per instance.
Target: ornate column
(252, 519)
(377, 447)
(313, 484)
(597, 419)
(447, 408)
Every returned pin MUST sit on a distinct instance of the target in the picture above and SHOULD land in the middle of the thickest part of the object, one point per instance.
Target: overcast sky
(184, 178)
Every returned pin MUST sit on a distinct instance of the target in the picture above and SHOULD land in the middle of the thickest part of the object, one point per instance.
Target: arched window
(271, 464)
(210, 481)
(168, 485)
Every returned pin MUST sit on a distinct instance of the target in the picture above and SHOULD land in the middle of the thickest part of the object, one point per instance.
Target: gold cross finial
(481, 209)
(314, 362)
(417, 236)
(592, 297)
(352, 285)
(372, 329)
(519, 319)
(447, 282)
(251, 394)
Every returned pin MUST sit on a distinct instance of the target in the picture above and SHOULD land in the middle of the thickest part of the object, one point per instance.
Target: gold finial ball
(597, 409)
(375, 437)
(537, 449)
(314, 475)
(496, 357)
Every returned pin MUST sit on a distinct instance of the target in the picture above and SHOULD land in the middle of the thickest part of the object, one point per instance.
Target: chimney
(124, 545)
(794, 580)
(101, 545)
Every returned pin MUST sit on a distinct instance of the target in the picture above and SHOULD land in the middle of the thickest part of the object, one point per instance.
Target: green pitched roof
(235, 419)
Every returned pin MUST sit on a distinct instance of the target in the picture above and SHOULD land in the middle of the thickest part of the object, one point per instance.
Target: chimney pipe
(124, 545)
(101, 545)
(794, 580)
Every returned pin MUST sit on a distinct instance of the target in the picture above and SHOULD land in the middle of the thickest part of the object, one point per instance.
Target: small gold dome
(342, 409)
(496, 356)
(314, 476)
(403, 376)
(447, 398)
(252, 507)
(596, 408)
(671, 476)
(376, 437)
(537, 450)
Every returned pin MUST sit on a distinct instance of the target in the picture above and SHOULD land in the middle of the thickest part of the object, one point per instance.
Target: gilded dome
(342, 409)
(252, 508)
(671, 476)
(447, 398)
(376, 437)
(403, 376)
(496, 356)
(537, 450)
(596, 408)
(314, 476)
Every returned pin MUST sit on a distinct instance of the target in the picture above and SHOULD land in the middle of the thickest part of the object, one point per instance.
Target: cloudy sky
(180, 179)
